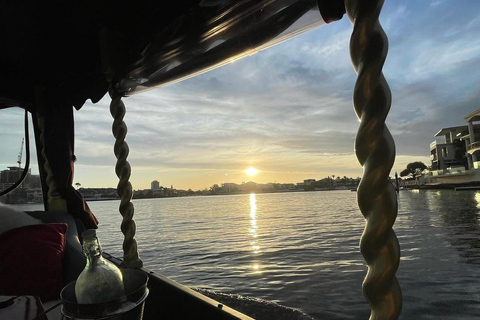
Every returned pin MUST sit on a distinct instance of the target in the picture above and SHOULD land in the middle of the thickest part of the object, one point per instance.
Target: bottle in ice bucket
(101, 280)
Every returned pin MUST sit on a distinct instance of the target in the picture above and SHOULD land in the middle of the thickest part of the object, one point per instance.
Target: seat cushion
(11, 218)
(31, 260)
(74, 260)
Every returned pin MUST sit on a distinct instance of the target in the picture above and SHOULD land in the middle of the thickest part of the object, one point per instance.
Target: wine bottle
(101, 280)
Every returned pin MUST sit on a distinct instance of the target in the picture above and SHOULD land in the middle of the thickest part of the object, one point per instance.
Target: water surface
(301, 249)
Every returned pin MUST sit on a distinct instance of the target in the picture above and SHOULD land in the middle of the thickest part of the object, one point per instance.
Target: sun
(251, 171)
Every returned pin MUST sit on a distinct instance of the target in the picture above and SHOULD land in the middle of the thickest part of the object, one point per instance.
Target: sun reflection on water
(253, 232)
(253, 219)
(477, 198)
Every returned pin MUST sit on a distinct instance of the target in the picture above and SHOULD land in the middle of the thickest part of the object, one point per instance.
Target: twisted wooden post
(131, 258)
(375, 150)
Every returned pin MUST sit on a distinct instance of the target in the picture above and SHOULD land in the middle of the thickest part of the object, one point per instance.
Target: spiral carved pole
(375, 150)
(130, 253)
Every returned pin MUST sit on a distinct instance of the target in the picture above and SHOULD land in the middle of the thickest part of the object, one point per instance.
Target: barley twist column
(130, 253)
(375, 150)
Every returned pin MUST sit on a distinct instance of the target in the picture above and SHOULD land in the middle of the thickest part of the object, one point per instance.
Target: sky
(286, 111)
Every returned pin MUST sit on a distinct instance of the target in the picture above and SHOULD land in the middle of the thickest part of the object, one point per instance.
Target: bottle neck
(92, 250)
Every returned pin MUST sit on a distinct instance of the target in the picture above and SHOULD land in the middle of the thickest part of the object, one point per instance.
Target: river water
(301, 250)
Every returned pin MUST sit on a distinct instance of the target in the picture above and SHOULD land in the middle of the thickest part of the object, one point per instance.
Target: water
(300, 250)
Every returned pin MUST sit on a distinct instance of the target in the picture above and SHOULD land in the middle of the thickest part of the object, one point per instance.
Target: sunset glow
(251, 171)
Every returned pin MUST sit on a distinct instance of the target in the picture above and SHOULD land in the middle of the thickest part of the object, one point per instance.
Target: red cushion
(31, 260)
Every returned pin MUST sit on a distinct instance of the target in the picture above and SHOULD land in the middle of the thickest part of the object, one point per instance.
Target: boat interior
(55, 55)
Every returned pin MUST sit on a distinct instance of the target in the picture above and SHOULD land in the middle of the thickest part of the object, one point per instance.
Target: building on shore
(13, 174)
(455, 158)
(96, 194)
(450, 152)
(155, 185)
(29, 191)
(472, 140)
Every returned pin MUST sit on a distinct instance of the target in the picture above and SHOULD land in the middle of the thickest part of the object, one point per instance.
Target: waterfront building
(158, 192)
(230, 187)
(95, 194)
(10, 176)
(309, 182)
(472, 139)
(450, 152)
(249, 186)
(285, 187)
(155, 185)
(34, 195)
(455, 160)
(266, 187)
(28, 191)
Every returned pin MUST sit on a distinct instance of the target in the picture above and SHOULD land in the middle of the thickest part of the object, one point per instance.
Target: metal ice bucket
(128, 307)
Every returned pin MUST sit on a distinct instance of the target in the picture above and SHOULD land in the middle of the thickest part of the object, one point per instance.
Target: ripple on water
(301, 250)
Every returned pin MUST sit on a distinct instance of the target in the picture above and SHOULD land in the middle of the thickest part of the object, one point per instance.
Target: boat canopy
(77, 47)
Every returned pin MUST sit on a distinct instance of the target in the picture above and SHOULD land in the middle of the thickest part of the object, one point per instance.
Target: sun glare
(251, 171)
